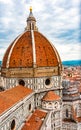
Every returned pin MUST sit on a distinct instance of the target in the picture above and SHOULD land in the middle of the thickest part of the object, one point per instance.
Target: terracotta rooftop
(10, 97)
(20, 54)
(51, 96)
(35, 121)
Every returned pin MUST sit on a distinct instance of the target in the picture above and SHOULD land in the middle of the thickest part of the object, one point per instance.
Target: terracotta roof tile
(10, 97)
(51, 96)
(45, 54)
(22, 54)
(35, 121)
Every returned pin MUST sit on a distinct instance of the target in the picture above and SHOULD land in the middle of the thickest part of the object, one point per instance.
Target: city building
(72, 99)
(33, 95)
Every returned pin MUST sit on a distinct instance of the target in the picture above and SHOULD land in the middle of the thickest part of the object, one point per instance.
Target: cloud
(6, 1)
(2, 51)
(58, 21)
(69, 51)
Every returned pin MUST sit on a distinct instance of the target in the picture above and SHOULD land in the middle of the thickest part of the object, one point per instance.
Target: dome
(20, 52)
(31, 50)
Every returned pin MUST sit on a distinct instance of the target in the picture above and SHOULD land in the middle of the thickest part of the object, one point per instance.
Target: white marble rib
(33, 47)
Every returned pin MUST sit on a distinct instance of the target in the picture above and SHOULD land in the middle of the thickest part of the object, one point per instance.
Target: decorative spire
(31, 22)
(30, 8)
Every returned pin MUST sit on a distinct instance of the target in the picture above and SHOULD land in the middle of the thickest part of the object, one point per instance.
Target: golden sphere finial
(30, 8)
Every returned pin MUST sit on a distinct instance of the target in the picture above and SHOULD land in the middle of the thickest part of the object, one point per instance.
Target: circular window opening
(21, 82)
(47, 82)
(29, 107)
(13, 125)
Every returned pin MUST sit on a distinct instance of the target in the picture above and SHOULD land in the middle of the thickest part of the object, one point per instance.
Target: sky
(58, 20)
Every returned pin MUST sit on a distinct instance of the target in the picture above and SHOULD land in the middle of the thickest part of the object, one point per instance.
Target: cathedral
(31, 80)
(31, 77)
(31, 74)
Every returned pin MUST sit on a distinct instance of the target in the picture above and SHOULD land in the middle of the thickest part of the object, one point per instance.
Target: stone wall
(38, 84)
(70, 126)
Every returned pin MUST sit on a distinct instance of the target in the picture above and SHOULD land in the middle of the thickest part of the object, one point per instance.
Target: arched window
(29, 107)
(32, 26)
(66, 112)
(12, 124)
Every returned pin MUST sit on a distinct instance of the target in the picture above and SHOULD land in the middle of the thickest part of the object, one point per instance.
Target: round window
(21, 82)
(13, 125)
(47, 82)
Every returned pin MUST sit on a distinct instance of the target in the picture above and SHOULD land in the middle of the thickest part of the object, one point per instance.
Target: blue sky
(58, 20)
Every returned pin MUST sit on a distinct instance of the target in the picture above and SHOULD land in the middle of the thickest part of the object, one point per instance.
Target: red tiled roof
(35, 121)
(10, 97)
(22, 54)
(51, 96)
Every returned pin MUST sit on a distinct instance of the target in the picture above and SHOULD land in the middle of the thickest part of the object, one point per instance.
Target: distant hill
(0, 63)
(72, 63)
